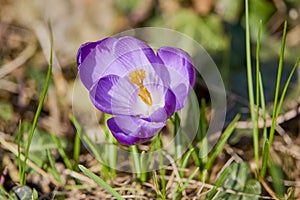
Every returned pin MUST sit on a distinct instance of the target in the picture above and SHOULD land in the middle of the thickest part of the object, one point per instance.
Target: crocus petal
(93, 58)
(131, 130)
(126, 100)
(181, 70)
(100, 93)
(163, 113)
(132, 53)
(118, 96)
(116, 57)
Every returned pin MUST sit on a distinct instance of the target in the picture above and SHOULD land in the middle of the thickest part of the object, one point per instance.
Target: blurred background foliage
(218, 25)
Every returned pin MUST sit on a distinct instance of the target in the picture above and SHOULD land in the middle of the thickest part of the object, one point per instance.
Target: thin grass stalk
(257, 84)
(20, 163)
(162, 171)
(136, 161)
(263, 107)
(193, 174)
(178, 136)
(219, 146)
(144, 167)
(62, 152)
(111, 150)
(250, 83)
(218, 184)
(203, 151)
(92, 147)
(279, 72)
(265, 157)
(100, 182)
(286, 87)
(39, 108)
(76, 150)
(87, 140)
(184, 161)
(266, 149)
(54, 171)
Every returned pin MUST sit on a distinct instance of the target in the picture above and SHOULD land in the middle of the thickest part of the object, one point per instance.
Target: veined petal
(181, 70)
(133, 53)
(126, 99)
(112, 56)
(93, 58)
(163, 113)
(118, 96)
(130, 130)
(100, 93)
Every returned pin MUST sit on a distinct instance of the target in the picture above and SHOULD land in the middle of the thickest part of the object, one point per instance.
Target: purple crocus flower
(140, 87)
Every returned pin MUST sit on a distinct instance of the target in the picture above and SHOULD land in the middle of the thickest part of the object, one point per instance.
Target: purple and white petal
(100, 93)
(131, 130)
(113, 56)
(133, 53)
(93, 58)
(162, 113)
(125, 99)
(181, 70)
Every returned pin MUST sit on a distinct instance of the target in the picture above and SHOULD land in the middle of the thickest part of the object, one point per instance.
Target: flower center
(137, 77)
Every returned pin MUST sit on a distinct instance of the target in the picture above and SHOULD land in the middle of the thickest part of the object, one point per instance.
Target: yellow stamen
(137, 77)
(145, 95)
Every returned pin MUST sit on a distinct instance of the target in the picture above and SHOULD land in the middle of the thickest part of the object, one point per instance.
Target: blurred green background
(218, 25)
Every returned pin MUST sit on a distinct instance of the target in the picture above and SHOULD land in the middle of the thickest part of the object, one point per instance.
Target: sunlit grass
(38, 111)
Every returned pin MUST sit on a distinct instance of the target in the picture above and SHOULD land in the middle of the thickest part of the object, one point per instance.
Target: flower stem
(178, 139)
(111, 150)
(141, 174)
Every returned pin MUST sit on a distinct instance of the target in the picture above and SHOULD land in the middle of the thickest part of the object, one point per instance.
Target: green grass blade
(76, 151)
(135, 158)
(203, 151)
(86, 139)
(258, 87)
(62, 152)
(20, 163)
(266, 147)
(263, 106)
(219, 146)
(193, 174)
(178, 137)
(185, 160)
(77, 143)
(100, 182)
(286, 87)
(250, 80)
(144, 166)
(186, 157)
(163, 183)
(39, 108)
(54, 171)
(265, 156)
(110, 148)
(195, 155)
(279, 72)
(92, 147)
(218, 184)
(162, 173)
